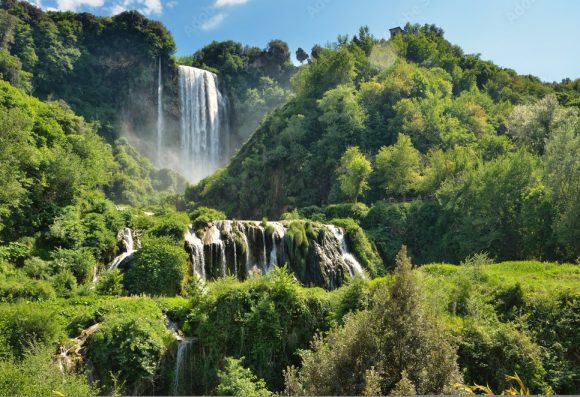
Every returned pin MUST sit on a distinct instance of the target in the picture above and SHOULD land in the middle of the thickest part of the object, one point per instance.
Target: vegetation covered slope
(452, 155)
(95, 64)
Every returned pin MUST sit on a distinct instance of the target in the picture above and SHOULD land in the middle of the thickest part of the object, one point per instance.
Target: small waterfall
(354, 266)
(182, 372)
(204, 123)
(183, 369)
(194, 246)
(160, 121)
(265, 267)
(126, 238)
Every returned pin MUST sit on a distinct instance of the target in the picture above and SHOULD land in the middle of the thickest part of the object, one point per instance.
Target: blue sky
(539, 37)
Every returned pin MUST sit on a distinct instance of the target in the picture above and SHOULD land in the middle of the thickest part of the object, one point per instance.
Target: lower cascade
(128, 248)
(243, 248)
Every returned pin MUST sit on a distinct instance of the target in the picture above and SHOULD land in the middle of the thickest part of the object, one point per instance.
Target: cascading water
(354, 267)
(126, 238)
(160, 121)
(242, 248)
(204, 123)
(182, 369)
(182, 372)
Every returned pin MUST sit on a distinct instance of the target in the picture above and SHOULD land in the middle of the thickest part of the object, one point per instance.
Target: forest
(398, 218)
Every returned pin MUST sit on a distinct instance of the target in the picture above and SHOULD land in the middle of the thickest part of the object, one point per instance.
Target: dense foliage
(466, 156)
(401, 142)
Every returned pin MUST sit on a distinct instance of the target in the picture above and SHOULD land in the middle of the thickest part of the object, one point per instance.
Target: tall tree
(397, 345)
(353, 173)
(398, 166)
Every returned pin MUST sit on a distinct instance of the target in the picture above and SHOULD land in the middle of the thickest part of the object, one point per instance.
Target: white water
(262, 252)
(197, 256)
(204, 123)
(160, 121)
(354, 266)
(128, 249)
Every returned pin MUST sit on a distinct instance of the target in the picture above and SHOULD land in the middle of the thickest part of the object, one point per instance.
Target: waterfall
(195, 248)
(354, 266)
(126, 238)
(160, 121)
(182, 369)
(328, 262)
(204, 123)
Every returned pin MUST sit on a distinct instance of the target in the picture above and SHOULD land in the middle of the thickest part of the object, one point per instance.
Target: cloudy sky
(537, 37)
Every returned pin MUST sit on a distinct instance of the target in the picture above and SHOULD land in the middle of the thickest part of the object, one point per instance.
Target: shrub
(489, 351)
(65, 283)
(171, 225)
(201, 216)
(110, 283)
(38, 375)
(130, 344)
(21, 288)
(37, 268)
(235, 380)
(266, 319)
(25, 325)
(80, 262)
(159, 268)
(356, 211)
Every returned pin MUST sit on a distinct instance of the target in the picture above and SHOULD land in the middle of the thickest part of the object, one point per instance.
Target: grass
(536, 278)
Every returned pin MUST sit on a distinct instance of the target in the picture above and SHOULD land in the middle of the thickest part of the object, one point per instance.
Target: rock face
(318, 255)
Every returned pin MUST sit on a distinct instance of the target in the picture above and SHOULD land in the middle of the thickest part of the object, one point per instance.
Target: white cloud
(213, 22)
(73, 5)
(226, 3)
(146, 7)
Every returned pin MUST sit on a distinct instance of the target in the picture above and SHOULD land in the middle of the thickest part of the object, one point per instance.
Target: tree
(399, 340)
(316, 51)
(398, 166)
(301, 55)
(235, 380)
(353, 173)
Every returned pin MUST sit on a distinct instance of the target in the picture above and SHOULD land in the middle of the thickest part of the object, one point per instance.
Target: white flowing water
(160, 121)
(128, 249)
(197, 255)
(204, 123)
(330, 260)
(354, 266)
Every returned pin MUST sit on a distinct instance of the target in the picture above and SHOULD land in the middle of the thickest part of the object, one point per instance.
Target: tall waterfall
(160, 121)
(204, 123)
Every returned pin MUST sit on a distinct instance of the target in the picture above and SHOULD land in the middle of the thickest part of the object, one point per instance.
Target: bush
(38, 375)
(24, 325)
(17, 288)
(65, 284)
(37, 268)
(266, 319)
(171, 225)
(356, 211)
(130, 344)
(489, 351)
(159, 268)
(80, 262)
(201, 216)
(235, 380)
(110, 283)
